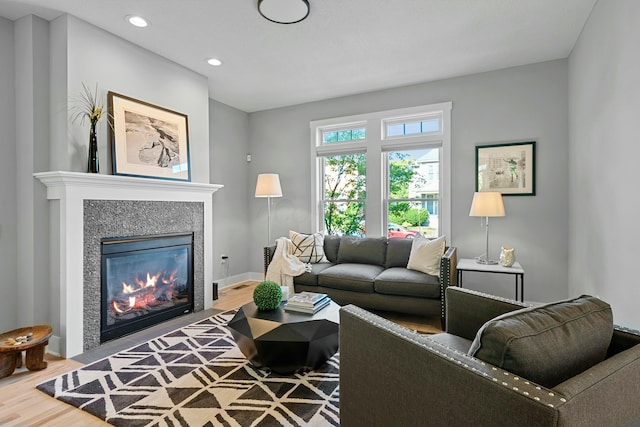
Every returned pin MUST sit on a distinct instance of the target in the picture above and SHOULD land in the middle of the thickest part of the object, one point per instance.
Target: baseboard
(238, 278)
(53, 347)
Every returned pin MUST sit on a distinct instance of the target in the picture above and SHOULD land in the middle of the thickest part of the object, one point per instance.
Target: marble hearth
(87, 207)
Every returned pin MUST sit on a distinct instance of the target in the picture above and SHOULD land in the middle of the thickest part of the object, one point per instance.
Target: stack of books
(307, 302)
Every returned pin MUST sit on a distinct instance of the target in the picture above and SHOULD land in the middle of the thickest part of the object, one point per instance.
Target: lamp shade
(268, 185)
(487, 203)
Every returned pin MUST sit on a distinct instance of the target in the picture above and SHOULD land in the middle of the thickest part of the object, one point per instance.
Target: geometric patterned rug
(196, 376)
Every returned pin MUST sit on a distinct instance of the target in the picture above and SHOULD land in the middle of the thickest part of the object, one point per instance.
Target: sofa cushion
(402, 281)
(308, 248)
(362, 250)
(547, 344)
(311, 278)
(331, 245)
(350, 277)
(398, 251)
(426, 254)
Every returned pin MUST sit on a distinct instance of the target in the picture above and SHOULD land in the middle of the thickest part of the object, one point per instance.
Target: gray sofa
(392, 376)
(371, 272)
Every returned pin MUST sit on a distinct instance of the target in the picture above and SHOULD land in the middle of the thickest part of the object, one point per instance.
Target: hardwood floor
(235, 296)
(243, 293)
(22, 405)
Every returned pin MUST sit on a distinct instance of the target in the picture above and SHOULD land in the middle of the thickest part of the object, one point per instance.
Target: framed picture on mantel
(508, 168)
(148, 140)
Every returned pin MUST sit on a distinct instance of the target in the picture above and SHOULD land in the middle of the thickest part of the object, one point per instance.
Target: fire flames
(141, 294)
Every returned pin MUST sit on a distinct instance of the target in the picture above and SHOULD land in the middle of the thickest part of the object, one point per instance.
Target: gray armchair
(390, 375)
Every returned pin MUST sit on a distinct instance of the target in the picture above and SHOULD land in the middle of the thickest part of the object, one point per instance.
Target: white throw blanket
(284, 265)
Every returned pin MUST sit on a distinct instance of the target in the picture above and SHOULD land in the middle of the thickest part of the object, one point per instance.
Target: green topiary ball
(267, 295)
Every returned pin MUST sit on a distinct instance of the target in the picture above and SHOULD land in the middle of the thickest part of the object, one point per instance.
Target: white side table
(468, 264)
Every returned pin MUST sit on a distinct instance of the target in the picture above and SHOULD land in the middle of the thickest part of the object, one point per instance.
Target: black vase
(93, 165)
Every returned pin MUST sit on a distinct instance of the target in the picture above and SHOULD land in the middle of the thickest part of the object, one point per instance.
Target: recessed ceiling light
(138, 21)
(214, 61)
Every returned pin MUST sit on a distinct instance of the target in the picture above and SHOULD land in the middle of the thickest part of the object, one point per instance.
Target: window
(417, 125)
(343, 135)
(384, 169)
(344, 193)
(411, 180)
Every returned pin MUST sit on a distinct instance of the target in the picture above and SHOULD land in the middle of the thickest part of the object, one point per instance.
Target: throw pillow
(398, 251)
(547, 344)
(362, 250)
(331, 245)
(425, 255)
(309, 248)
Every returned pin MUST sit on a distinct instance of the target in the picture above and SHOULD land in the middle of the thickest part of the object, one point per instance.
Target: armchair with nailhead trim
(390, 375)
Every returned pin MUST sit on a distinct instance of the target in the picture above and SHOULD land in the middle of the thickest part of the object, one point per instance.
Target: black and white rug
(196, 376)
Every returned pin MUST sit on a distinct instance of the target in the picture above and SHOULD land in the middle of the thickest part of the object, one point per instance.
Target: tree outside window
(344, 194)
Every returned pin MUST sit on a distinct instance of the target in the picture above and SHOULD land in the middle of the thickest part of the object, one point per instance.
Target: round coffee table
(11, 355)
(286, 342)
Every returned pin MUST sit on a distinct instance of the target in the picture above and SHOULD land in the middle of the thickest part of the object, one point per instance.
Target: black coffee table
(283, 341)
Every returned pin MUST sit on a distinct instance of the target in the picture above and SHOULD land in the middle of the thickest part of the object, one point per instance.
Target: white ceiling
(344, 47)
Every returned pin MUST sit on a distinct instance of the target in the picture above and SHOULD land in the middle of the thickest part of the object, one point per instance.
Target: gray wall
(32, 149)
(522, 103)
(577, 110)
(82, 53)
(604, 101)
(8, 212)
(229, 131)
(52, 60)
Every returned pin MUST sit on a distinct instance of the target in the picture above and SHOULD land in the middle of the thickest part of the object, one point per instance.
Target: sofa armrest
(268, 256)
(448, 277)
(468, 310)
(390, 375)
(605, 394)
(623, 339)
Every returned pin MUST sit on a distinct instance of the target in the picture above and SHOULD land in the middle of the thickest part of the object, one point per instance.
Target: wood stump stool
(11, 354)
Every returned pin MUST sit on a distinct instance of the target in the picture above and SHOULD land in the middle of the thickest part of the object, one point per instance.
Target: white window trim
(374, 145)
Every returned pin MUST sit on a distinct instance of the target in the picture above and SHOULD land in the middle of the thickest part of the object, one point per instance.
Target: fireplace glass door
(145, 280)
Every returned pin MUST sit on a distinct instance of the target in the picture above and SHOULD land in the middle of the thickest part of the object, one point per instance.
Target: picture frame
(148, 140)
(508, 168)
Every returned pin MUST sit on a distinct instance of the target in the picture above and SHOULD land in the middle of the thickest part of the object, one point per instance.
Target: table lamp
(487, 204)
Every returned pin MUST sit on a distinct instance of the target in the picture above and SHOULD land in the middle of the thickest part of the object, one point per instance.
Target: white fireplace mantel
(71, 189)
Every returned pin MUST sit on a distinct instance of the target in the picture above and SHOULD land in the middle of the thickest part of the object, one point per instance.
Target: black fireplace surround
(145, 280)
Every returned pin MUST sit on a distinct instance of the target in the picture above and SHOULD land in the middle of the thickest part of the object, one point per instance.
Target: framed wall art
(147, 140)
(508, 168)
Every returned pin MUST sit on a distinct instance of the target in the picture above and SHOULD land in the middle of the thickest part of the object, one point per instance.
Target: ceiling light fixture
(214, 61)
(284, 11)
(137, 21)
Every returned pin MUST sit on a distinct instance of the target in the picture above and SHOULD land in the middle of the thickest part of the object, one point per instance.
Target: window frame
(375, 146)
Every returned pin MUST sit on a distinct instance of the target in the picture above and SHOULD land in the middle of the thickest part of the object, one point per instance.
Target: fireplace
(144, 280)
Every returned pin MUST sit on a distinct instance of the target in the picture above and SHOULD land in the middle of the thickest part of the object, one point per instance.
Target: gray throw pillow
(398, 251)
(547, 344)
(362, 250)
(331, 245)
